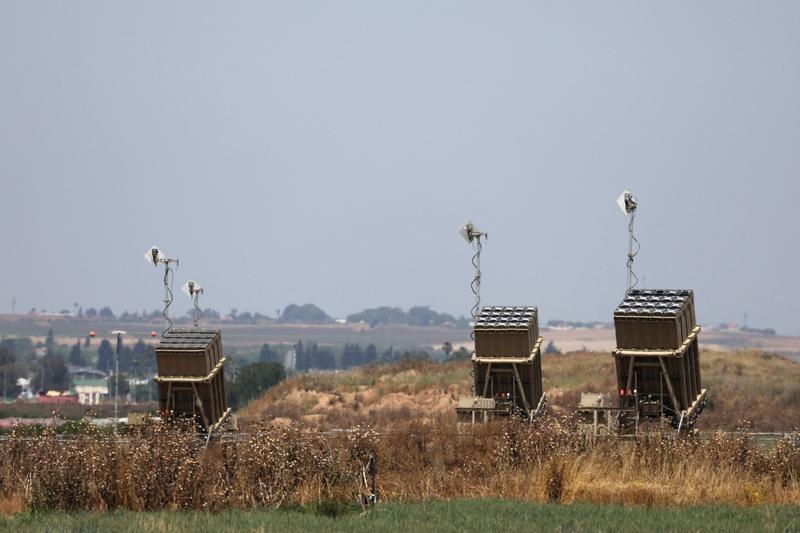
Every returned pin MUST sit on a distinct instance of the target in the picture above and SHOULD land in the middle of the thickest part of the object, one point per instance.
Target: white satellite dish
(469, 232)
(626, 202)
(154, 256)
(191, 288)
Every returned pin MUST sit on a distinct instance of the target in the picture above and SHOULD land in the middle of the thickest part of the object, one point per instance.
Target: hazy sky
(328, 152)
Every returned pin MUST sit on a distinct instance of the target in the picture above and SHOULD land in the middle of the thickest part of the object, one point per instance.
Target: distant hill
(753, 386)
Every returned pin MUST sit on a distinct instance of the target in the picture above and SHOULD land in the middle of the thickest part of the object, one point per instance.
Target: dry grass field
(403, 416)
(752, 389)
(166, 468)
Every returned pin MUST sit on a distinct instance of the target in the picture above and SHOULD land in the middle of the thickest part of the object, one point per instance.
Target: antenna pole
(476, 282)
(627, 203)
(168, 297)
(471, 234)
(633, 279)
(197, 311)
(630, 252)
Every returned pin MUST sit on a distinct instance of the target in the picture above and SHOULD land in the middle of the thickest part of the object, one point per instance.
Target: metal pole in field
(119, 335)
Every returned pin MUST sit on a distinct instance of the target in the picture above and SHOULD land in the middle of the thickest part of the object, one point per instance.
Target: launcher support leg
(521, 391)
(199, 402)
(675, 404)
(684, 384)
(630, 375)
(169, 399)
(486, 379)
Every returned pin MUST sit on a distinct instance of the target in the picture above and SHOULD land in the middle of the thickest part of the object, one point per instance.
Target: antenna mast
(154, 256)
(627, 203)
(193, 290)
(473, 235)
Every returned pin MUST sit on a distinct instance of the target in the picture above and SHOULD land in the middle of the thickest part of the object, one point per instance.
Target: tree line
(312, 356)
(291, 314)
(19, 359)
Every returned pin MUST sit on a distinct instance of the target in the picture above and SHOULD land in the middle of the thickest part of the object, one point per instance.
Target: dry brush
(167, 467)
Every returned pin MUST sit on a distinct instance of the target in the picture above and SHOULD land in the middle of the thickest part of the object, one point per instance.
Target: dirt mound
(753, 386)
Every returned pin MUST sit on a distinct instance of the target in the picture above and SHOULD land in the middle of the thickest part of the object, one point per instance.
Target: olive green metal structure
(507, 365)
(191, 377)
(657, 357)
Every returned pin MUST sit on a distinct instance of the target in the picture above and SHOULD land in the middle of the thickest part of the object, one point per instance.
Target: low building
(91, 391)
(85, 372)
(57, 397)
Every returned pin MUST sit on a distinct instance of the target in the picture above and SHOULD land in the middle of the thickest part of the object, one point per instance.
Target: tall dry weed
(165, 466)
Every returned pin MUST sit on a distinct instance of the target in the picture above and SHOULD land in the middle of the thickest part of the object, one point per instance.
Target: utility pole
(119, 335)
(13, 305)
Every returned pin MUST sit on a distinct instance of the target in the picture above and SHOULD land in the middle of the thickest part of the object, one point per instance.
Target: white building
(91, 391)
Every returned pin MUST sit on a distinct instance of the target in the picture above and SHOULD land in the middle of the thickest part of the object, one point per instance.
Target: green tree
(326, 359)
(50, 343)
(460, 355)
(144, 393)
(253, 380)
(370, 353)
(305, 314)
(379, 315)
(56, 375)
(75, 356)
(320, 358)
(143, 357)
(10, 371)
(301, 358)
(268, 354)
(245, 318)
(125, 359)
(124, 385)
(447, 348)
(551, 348)
(106, 312)
(105, 356)
(140, 350)
(425, 316)
(352, 355)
